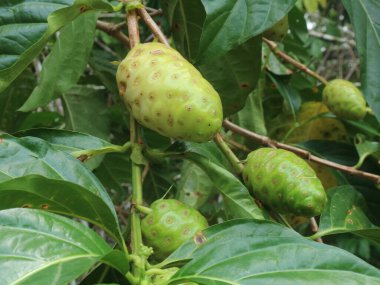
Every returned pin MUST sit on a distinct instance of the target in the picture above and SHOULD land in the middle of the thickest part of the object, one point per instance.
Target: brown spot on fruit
(156, 75)
(189, 108)
(122, 88)
(169, 220)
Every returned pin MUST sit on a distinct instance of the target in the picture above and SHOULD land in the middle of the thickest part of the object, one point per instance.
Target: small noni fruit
(285, 182)
(169, 225)
(279, 31)
(167, 94)
(344, 99)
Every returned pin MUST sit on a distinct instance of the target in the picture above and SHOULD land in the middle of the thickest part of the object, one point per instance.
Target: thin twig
(314, 228)
(153, 26)
(287, 58)
(235, 162)
(300, 152)
(113, 31)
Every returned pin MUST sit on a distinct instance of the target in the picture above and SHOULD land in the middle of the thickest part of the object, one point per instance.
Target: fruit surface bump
(285, 182)
(279, 31)
(344, 99)
(170, 224)
(167, 94)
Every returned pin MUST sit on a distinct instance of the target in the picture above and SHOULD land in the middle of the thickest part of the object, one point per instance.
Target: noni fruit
(278, 31)
(167, 94)
(169, 225)
(164, 276)
(344, 99)
(284, 182)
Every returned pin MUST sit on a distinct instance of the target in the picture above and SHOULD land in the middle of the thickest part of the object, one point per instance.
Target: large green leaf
(27, 25)
(66, 61)
(364, 15)
(26, 156)
(345, 213)
(260, 252)
(85, 111)
(70, 142)
(37, 247)
(230, 23)
(61, 197)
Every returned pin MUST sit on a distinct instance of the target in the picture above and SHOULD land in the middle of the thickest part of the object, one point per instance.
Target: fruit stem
(153, 26)
(144, 210)
(223, 146)
(274, 48)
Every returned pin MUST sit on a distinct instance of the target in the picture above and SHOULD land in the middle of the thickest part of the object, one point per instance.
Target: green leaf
(84, 105)
(70, 142)
(251, 117)
(12, 98)
(235, 74)
(345, 213)
(291, 95)
(26, 27)
(28, 156)
(61, 197)
(260, 252)
(114, 172)
(364, 17)
(194, 186)
(65, 63)
(37, 247)
(365, 148)
(230, 23)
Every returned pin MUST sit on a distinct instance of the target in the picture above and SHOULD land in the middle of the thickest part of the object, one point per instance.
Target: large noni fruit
(344, 99)
(285, 182)
(167, 94)
(170, 224)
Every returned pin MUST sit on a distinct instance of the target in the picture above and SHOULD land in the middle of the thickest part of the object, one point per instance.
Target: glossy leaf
(37, 247)
(194, 186)
(72, 143)
(58, 196)
(248, 19)
(27, 26)
(83, 105)
(261, 252)
(65, 63)
(364, 15)
(28, 156)
(345, 213)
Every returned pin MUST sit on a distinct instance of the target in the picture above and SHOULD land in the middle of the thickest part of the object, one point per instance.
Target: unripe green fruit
(167, 94)
(344, 99)
(279, 31)
(284, 182)
(169, 225)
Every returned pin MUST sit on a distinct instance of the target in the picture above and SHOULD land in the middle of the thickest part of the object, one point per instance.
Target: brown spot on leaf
(199, 238)
(44, 206)
(26, 206)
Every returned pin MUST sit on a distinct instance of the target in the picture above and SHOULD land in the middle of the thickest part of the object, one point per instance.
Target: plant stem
(153, 26)
(274, 48)
(113, 31)
(235, 162)
(86, 154)
(137, 197)
(300, 152)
